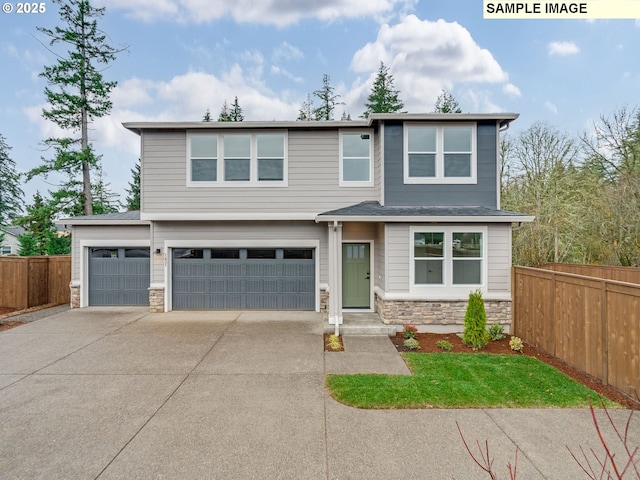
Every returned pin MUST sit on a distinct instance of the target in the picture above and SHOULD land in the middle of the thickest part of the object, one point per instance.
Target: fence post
(605, 329)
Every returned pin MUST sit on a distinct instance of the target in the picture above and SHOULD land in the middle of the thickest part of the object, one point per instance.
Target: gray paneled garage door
(243, 279)
(119, 276)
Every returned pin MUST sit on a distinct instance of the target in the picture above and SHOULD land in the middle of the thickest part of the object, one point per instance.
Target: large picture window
(448, 256)
(237, 159)
(355, 159)
(439, 154)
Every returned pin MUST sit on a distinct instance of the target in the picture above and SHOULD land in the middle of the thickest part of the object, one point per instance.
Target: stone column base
(324, 300)
(401, 312)
(156, 300)
(75, 296)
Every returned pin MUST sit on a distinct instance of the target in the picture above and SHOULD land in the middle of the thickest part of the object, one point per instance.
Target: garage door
(243, 279)
(119, 276)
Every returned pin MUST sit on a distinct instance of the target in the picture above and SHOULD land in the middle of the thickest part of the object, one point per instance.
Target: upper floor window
(356, 159)
(439, 153)
(237, 159)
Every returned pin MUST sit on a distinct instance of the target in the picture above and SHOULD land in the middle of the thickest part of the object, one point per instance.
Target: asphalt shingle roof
(374, 209)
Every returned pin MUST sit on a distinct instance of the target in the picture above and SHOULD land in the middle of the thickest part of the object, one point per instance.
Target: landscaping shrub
(516, 344)
(334, 342)
(444, 345)
(412, 344)
(475, 322)
(496, 332)
(409, 331)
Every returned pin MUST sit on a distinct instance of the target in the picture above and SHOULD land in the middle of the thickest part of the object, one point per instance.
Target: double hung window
(439, 153)
(236, 159)
(356, 159)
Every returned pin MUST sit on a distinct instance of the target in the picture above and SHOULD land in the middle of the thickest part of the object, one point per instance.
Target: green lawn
(459, 380)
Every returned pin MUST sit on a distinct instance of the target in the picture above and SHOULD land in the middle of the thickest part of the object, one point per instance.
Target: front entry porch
(368, 323)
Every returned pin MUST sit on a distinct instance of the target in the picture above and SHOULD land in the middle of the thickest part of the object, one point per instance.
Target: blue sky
(185, 56)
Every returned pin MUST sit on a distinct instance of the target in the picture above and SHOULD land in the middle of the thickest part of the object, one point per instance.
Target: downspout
(335, 293)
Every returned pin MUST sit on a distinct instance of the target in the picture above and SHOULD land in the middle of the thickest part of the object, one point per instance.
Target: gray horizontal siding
(379, 259)
(198, 232)
(398, 257)
(499, 258)
(313, 179)
(481, 194)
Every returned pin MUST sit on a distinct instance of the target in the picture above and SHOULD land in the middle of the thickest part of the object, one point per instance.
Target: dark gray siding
(481, 194)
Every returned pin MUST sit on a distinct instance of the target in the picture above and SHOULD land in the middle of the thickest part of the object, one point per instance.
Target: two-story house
(397, 214)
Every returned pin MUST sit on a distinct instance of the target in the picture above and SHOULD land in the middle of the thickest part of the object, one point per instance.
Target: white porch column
(335, 273)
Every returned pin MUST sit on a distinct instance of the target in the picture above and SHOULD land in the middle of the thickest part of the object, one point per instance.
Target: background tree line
(584, 192)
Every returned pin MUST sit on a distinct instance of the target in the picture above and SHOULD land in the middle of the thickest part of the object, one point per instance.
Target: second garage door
(243, 279)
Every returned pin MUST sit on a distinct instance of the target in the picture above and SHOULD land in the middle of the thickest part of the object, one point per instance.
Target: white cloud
(424, 57)
(286, 53)
(271, 12)
(511, 90)
(551, 107)
(563, 48)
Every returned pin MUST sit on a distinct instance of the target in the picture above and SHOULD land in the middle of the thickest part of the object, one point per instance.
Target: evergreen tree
(38, 223)
(305, 113)
(231, 114)
(225, 114)
(383, 97)
(446, 103)
(236, 111)
(328, 100)
(207, 116)
(76, 91)
(11, 195)
(133, 197)
(27, 245)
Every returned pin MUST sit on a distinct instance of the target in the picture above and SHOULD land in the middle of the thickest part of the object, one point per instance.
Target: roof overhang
(502, 118)
(427, 218)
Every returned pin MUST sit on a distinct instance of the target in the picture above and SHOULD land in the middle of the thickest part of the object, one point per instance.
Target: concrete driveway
(120, 393)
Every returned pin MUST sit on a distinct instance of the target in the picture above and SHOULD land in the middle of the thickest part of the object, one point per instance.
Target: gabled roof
(372, 211)
(118, 218)
(375, 118)
(15, 231)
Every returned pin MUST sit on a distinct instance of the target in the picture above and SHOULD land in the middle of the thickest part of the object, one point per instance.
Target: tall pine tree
(383, 97)
(76, 91)
(133, 197)
(11, 195)
(328, 100)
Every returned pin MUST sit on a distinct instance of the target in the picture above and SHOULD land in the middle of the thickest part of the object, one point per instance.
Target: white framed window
(203, 156)
(236, 159)
(448, 258)
(440, 153)
(356, 158)
(5, 250)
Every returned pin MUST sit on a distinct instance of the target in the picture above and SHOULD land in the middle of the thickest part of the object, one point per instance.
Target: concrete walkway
(114, 393)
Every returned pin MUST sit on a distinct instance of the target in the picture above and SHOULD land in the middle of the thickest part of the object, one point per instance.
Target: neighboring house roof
(372, 211)
(15, 231)
(118, 218)
(374, 118)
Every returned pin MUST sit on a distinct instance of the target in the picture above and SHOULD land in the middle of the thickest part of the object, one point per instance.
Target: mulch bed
(428, 345)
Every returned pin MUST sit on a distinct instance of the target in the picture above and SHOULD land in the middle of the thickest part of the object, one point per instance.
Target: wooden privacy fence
(31, 281)
(620, 274)
(590, 323)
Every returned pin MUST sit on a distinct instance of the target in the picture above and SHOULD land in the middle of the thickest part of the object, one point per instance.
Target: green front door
(356, 282)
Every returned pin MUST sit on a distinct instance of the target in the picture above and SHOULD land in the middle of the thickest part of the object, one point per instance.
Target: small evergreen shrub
(475, 322)
(444, 345)
(496, 332)
(412, 344)
(516, 344)
(409, 331)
